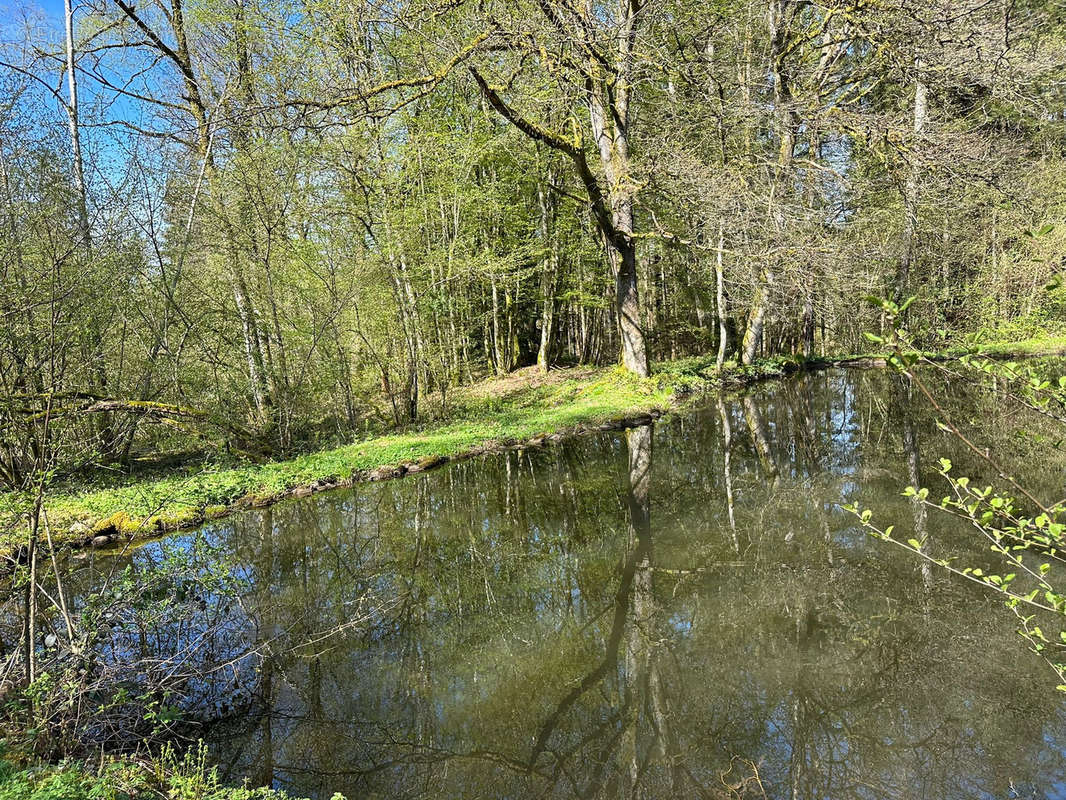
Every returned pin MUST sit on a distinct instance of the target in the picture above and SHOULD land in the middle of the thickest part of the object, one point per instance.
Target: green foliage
(175, 777)
(479, 420)
(1026, 536)
(482, 416)
(1029, 550)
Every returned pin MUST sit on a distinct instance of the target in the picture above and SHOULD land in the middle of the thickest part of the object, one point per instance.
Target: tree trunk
(757, 318)
(613, 144)
(75, 133)
(627, 307)
(501, 367)
(808, 324)
(548, 274)
(910, 192)
(253, 352)
(720, 299)
(786, 122)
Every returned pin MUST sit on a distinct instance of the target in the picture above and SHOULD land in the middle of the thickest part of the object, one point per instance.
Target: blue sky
(110, 149)
(53, 8)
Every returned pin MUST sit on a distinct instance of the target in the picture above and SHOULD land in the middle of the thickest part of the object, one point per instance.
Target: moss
(258, 499)
(173, 520)
(119, 522)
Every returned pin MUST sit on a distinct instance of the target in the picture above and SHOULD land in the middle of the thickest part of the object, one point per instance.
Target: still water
(679, 610)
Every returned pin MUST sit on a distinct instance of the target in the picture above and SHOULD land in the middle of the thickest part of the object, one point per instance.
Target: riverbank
(167, 775)
(523, 409)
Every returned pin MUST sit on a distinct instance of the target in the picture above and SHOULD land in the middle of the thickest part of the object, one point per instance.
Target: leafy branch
(1027, 537)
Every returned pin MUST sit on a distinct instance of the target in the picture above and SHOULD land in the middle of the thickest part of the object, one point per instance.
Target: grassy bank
(187, 777)
(1025, 348)
(524, 408)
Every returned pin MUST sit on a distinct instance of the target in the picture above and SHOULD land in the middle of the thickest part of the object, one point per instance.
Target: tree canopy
(279, 222)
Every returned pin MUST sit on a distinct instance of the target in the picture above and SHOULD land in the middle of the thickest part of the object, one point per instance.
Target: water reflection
(678, 611)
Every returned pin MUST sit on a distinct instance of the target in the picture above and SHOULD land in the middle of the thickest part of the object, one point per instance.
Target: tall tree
(593, 55)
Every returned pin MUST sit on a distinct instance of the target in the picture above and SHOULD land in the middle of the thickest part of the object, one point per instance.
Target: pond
(677, 610)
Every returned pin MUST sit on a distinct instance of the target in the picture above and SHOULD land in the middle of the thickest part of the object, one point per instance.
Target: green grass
(187, 777)
(1036, 346)
(181, 500)
(995, 348)
(492, 414)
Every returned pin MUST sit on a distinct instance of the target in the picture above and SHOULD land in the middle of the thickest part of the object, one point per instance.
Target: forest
(254, 249)
(278, 222)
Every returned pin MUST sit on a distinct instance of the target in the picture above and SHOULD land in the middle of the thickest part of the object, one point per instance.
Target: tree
(594, 57)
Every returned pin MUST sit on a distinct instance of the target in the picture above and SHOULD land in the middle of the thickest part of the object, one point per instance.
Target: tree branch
(597, 199)
(401, 83)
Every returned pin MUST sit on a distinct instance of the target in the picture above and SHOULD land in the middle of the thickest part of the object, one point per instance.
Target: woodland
(274, 224)
(258, 248)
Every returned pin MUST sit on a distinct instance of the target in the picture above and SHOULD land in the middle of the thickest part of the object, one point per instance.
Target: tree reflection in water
(609, 618)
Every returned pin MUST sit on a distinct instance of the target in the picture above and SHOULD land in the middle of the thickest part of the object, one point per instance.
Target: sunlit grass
(481, 417)
(180, 500)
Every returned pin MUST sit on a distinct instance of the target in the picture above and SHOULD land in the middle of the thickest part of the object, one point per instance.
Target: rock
(426, 463)
(385, 473)
(80, 529)
(301, 491)
(101, 540)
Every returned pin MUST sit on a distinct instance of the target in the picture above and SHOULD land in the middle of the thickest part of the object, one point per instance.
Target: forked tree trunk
(608, 87)
(757, 318)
